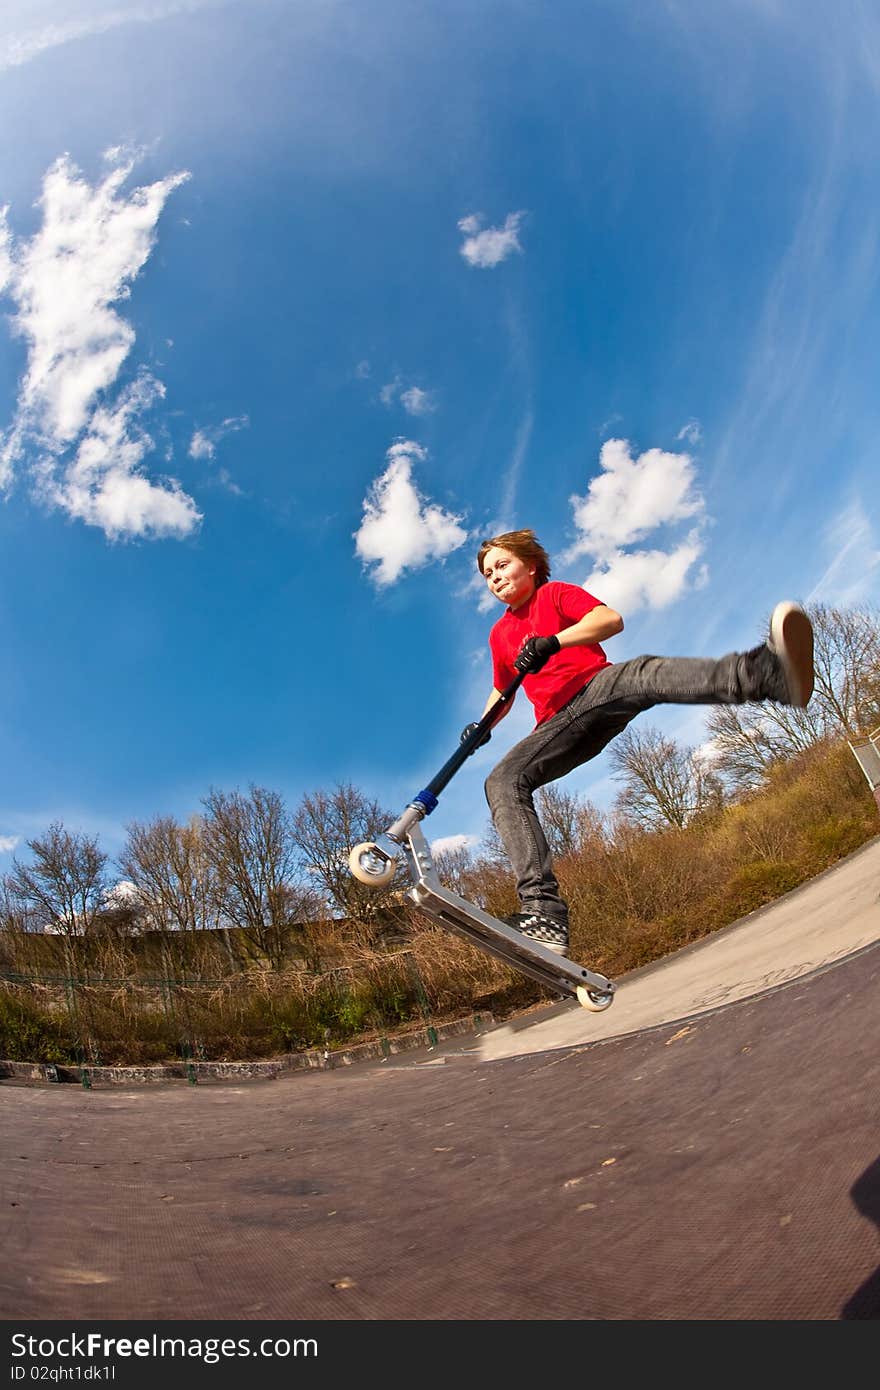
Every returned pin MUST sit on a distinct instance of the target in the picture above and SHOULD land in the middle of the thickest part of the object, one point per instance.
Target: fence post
(422, 997)
(866, 752)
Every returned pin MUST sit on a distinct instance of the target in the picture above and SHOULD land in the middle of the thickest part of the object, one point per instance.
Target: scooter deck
(457, 915)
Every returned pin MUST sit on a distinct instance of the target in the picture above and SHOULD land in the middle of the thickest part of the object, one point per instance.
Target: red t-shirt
(552, 608)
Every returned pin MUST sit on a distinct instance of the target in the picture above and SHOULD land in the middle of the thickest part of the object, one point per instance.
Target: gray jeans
(578, 732)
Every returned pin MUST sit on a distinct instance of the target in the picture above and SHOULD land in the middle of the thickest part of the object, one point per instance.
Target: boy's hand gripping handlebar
(428, 798)
(374, 862)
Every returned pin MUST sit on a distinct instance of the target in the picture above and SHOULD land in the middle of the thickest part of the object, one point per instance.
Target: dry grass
(634, 896)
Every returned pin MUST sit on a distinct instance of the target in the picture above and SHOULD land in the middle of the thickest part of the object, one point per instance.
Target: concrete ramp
(832, 916)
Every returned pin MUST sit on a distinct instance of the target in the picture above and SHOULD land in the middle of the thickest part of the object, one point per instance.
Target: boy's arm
(493, 700)
(490, 704)
(597, 625)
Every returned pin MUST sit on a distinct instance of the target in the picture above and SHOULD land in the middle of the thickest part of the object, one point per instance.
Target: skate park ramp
(832, 916)
(721, 1163)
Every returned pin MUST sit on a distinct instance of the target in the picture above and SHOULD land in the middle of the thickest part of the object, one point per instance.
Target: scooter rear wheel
(593, 999)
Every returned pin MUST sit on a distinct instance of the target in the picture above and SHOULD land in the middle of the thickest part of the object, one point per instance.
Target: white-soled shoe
(542, 929)
(791, 641)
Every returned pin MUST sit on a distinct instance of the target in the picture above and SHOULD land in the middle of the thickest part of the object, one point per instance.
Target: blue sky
(303, 300)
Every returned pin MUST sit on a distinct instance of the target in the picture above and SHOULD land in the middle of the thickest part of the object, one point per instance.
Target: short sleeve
(573, 603)
(502, 673)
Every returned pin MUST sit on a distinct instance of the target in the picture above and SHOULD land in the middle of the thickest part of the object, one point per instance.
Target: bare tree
(847, 668)
(65, 884)
(748, 739)
(249, 846)
(664, 783)
(455, 865)
(326, 826)
(14, 913)
(569, 820)
(175, 881)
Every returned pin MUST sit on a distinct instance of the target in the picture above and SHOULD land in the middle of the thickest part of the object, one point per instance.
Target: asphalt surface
(722, 1164)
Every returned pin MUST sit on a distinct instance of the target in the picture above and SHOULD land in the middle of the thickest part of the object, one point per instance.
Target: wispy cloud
(31, 27)
(203, 444)
(414, 399)
(5, 244)
(692, 432)
(854, 569)
(515, 466)
(489, 246)
(400, 529)
(85, 450)
(8, 843)
(629, 500)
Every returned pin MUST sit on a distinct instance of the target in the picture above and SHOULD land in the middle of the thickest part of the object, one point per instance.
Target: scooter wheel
(371, 866)
(596, 1000)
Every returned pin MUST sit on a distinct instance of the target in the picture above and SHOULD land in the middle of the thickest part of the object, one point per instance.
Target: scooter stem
(428, 797)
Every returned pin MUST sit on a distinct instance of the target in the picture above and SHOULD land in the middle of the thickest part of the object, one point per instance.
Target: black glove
(535, 654)
(468, 730)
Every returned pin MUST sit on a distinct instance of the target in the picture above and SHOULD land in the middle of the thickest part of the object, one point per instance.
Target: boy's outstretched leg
(780, 669)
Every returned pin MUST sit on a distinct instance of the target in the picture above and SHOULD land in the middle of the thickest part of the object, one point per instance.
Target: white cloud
(8, 843)
(471, 224)
(401, 530)
(632, 497)
(476, 586)
(637, 579)
(854, 570)
(492, 245)
(124, 893)
(448, 844)
(624, 504)
(708, 753)
(415, 401)
(92, 244)
(103, 486)
(201, 447)
(65, 282)
(388, 392)
(203, 444)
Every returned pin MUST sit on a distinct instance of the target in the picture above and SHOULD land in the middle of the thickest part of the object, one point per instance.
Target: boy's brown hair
(525, 546)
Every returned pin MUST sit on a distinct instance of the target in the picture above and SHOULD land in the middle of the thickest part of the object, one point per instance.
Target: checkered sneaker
(541, 929)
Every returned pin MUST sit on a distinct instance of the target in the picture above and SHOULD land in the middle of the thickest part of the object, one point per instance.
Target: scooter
(374, 863)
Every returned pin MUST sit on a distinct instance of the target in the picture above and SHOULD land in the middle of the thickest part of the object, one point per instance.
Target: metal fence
(866, 752)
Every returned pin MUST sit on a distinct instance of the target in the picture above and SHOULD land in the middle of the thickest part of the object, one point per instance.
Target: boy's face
(510, 579)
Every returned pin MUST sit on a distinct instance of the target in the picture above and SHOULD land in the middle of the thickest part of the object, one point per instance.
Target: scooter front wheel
(371, 866)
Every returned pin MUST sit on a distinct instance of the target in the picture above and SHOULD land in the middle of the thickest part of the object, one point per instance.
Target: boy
(552, 632)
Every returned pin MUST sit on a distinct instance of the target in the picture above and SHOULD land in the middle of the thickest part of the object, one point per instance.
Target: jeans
(580, 730)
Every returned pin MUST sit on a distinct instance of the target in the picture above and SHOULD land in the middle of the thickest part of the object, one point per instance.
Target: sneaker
(781, 668)
(791, 640)
(544, 930)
